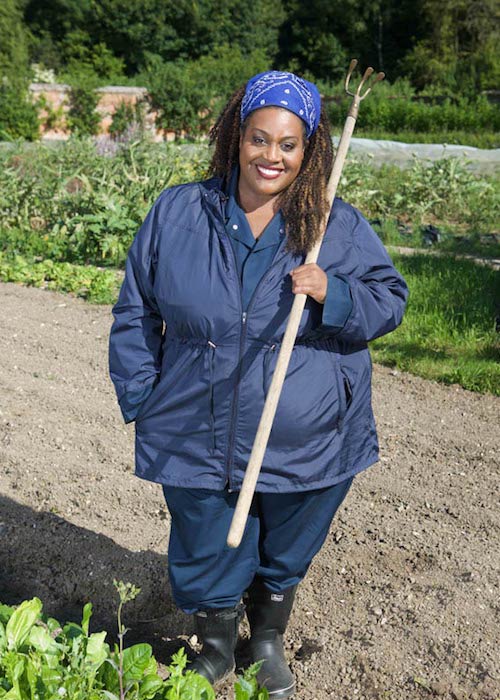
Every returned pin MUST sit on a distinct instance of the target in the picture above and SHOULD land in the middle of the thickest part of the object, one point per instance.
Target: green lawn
(448, 332)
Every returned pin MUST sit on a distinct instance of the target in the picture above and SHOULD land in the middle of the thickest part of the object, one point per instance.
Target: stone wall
(110, 97)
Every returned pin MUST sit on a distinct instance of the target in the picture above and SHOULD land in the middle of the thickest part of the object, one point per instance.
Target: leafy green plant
(39, 658)
(182, 683)
(18, 115)
(43, 660)
(82, 116)
(96, 285)
(247, 686)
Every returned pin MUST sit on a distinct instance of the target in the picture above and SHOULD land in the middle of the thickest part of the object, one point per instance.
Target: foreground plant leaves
(247, 686)
(21, 622)
(186, 685)
(42, 660)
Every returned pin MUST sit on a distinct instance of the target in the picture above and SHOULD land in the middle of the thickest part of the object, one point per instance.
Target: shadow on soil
(66, 566)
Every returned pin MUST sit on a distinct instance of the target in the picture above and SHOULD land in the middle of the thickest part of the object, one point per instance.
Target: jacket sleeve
(377, 290)
(136, 334)
(337, 307)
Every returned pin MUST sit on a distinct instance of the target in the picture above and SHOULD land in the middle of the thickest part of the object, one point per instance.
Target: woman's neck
(251, 203)
(259, 211)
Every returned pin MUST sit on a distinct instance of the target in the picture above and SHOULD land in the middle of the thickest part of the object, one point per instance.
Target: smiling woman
(272, 145)
(210, 282)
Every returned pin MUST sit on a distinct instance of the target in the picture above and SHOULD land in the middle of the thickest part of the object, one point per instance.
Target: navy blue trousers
(283, 533)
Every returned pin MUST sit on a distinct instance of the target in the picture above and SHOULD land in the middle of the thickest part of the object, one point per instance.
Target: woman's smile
(268, 173)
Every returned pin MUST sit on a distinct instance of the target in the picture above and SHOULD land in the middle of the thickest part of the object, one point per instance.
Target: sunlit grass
(448, 333)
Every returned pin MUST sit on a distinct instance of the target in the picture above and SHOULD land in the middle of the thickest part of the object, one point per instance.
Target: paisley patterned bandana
(280, 89)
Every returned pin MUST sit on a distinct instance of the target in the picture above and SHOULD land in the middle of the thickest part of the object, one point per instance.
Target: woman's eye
(288, 146)
(257, 139)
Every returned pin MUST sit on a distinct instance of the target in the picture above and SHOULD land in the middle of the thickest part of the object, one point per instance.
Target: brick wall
(57, 96)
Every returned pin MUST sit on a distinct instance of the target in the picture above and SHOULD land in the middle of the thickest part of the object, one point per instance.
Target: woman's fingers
(310, 279)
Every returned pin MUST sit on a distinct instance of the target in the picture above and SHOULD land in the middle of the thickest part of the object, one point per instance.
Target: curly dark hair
(304, 203)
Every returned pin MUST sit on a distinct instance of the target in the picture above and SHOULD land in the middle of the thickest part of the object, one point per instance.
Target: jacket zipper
(244, 316)
(234, 413)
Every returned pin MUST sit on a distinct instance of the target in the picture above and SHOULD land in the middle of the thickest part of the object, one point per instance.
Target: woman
(209, 286)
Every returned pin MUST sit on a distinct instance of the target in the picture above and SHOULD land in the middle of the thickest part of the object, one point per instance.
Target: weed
(40, 658)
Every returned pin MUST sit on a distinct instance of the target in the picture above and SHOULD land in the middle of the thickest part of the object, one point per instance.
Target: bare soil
(402, 601)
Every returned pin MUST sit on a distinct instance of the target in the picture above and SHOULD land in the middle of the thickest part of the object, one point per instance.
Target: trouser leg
(283, 533)
(204, 572)
(207, 577)
(293, 528)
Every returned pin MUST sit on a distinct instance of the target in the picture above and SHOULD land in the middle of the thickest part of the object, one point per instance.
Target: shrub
(18, 115)
(127, 116)
(189, 95)
(82, 116)
(401, 114)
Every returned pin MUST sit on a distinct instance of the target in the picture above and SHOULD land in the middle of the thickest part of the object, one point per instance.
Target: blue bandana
(279, 89)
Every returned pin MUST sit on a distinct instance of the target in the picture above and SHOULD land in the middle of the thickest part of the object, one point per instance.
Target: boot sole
(282, 693)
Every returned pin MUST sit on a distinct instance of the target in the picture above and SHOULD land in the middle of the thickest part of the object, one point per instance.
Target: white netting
(401, 154)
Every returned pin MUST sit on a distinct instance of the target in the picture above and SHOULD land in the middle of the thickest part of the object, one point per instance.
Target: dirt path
(494, 263)
(403, 600)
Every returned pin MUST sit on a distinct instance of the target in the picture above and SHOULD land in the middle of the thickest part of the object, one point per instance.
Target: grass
(94, 284)
(448, 333)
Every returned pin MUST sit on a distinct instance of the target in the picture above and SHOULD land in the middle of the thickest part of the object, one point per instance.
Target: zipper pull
(244, 317)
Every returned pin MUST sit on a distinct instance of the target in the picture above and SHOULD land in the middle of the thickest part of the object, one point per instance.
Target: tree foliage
(459, 47)
(448, 43)
(13, 38)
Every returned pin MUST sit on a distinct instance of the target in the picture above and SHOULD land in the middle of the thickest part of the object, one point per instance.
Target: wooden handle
(240, 516)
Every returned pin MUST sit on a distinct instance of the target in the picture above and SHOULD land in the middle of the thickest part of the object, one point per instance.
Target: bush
(190, 95)
(82, 116)
(401, 114)
(127, 116)
(18, 115)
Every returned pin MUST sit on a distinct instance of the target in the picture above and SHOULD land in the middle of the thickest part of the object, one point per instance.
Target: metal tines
(368, 72)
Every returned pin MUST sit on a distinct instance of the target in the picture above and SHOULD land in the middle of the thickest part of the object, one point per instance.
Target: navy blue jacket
(180, 327)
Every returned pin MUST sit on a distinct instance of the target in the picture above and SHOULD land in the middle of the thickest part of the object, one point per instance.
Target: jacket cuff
(338, 304)
(131, 402)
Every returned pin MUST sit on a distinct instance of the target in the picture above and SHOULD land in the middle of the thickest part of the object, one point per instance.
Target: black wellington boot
(268, 615)
(218, 630)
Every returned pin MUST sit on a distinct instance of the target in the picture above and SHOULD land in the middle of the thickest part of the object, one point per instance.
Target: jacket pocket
(176, 365)
(181, 408)
(344, 389)
(312, 402)
(210, 355)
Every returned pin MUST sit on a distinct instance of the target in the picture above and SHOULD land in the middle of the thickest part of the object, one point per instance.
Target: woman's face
(271, 153)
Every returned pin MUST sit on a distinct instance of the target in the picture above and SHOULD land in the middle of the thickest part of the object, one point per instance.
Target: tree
(458, 50)
(320, 37)
(14, 40)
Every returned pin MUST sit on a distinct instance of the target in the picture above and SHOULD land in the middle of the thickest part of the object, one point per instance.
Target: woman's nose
(273, 153)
